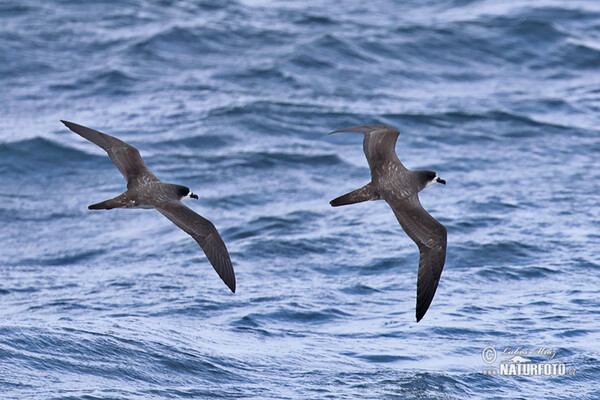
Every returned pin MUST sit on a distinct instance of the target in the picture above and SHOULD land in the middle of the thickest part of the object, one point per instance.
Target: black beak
(440, 180)
(194, 196)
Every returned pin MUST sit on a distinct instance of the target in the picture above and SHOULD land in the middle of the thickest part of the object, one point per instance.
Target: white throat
(433, 181)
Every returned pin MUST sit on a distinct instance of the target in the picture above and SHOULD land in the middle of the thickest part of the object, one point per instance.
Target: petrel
(399, 187)
(145, 190)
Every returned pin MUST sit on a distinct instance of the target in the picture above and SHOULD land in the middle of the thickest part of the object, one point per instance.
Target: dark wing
(430, 237)
(207, 236)
(379, 144)
(126, 157)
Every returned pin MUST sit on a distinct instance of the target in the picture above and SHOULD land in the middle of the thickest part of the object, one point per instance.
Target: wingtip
(230, 281)
(367, 129)
(228, 278)
(68, 124)
(422, 310)
(339, 130)
(352, 128)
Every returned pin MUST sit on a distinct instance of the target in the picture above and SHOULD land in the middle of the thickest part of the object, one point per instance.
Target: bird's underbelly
(138, 200)
(145, 206)
(138, 204)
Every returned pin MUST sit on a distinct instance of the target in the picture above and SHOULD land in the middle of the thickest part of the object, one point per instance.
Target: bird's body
(150, 194)
(399, 187)
(145, 190)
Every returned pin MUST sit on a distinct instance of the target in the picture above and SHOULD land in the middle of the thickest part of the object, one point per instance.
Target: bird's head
(431, 178)
(186, 193)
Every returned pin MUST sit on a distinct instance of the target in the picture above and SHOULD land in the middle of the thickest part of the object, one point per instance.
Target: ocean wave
(235, 99)
(34, 156)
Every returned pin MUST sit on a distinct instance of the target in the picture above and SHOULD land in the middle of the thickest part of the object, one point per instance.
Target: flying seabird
(145, 190)
(399, 187)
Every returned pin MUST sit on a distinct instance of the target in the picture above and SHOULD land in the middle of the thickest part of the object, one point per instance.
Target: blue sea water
(235, 99)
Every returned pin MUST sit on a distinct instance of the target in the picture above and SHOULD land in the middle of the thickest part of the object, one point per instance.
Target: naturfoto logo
(521, 362)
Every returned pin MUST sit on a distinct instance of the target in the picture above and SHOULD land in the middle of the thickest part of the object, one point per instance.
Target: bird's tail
(365, 193)
(118, 202)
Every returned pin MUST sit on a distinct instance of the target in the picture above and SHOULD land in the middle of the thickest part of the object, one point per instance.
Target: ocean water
(235, 99)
